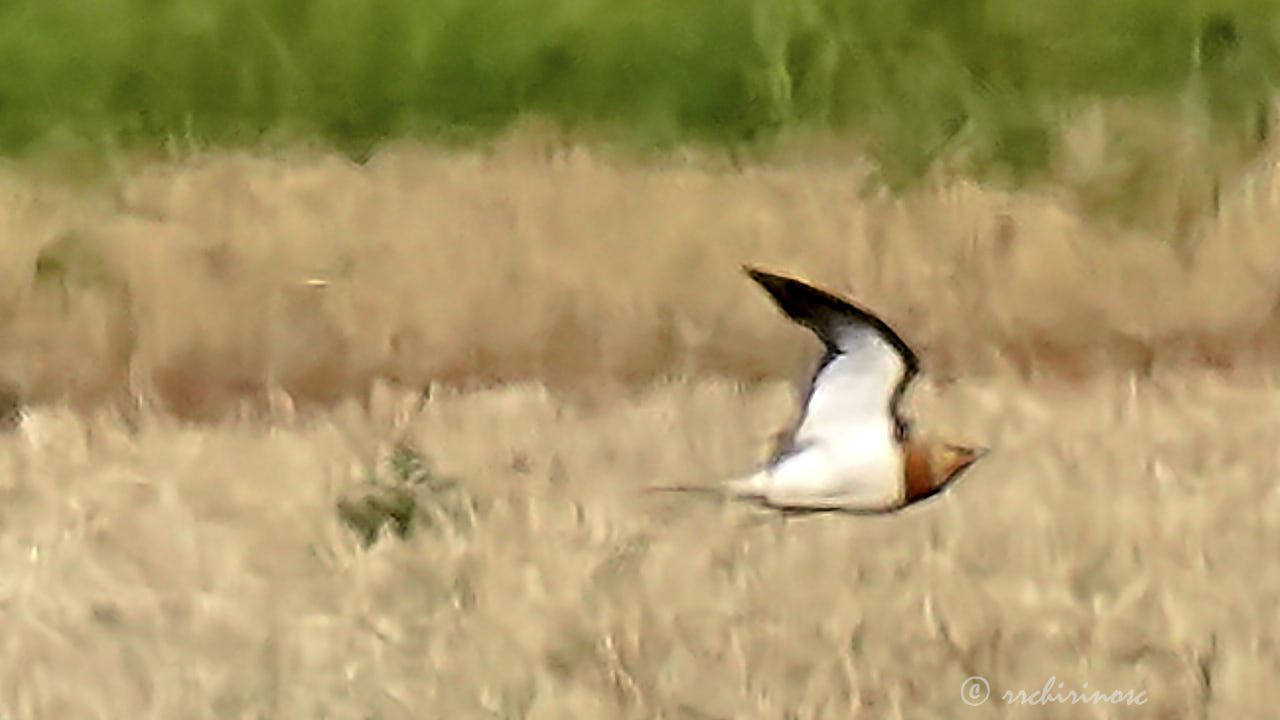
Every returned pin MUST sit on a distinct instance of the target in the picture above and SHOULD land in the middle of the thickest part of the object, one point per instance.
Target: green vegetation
(914, 79)
(408, 495)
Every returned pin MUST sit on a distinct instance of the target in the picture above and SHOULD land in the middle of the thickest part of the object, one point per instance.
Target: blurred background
(317, 157)
(984, 85)
(985, 88)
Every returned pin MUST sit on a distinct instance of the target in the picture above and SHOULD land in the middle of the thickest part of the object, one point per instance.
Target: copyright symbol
(975, 690)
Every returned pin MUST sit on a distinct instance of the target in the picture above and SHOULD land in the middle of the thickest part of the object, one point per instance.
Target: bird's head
(930, 467)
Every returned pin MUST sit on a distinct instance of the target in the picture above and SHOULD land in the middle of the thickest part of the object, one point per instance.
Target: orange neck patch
(918, 471)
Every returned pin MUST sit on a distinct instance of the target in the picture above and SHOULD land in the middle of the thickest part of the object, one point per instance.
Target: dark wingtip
(756, 273)
(774, 283)
(821, 311)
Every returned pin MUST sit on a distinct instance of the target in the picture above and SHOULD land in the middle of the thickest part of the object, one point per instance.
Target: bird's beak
(971, 453)
(976, 454)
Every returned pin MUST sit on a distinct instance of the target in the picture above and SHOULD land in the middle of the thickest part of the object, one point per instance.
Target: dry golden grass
(187, 285)
(1120, 533)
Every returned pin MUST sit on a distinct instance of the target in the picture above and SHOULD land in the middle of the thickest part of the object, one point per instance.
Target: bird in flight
(851, 449)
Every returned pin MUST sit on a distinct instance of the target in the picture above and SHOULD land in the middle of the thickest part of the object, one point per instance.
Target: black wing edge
(823, 313)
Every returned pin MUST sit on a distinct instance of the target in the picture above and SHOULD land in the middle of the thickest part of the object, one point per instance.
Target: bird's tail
(716, 491)
(736, 488)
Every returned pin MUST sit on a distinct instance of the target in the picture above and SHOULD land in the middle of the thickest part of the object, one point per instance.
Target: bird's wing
(860, 381)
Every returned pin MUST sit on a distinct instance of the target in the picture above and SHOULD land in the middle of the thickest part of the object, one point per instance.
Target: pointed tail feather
(736, 488)
(711, 490)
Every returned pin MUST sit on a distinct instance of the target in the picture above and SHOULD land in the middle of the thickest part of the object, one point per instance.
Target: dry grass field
(198, 408)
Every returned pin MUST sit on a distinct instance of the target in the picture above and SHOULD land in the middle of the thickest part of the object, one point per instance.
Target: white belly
(863, 472)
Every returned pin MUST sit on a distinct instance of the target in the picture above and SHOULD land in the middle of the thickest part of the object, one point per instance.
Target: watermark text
(976, 690)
